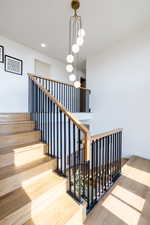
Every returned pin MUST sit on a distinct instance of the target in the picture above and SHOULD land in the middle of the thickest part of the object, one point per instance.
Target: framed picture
(13, 65)
(1, 54)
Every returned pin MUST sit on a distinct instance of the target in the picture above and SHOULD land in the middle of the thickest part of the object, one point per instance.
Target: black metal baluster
(46, 113)
(54, 124)
(54, 89)
(108, 163)
(44, 119)
(69, 150)
(69, 97)
(103, 165)
(61, 141)
(68, 102)
(106, 154)
(42, 115)
(115, 156)
(74, 99)
(110, 159)
(57, 91)
(43, 110)
(120, 150)
(51, 121)
(65, 136)
(79, 162)
(37, 108)
(96, 159)
(74, 154)
(92, 173)
(60, 93)
(57, 138)
(66, 96)
(117, 153)
(76, 107)
(100, 159)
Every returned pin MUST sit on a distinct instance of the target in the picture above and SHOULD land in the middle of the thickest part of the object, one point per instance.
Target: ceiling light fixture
(76, 40)
(43, 45)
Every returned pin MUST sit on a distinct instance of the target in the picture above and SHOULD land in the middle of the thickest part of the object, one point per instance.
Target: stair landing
(128, 202)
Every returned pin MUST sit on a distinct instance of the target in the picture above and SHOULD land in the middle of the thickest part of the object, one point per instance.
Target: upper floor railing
(91, 164)
(73, 99)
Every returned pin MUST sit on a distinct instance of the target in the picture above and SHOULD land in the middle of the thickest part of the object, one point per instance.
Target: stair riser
(18, 139)
(33, 208)
(6, 129)
(27, 177)
(21, 158)
(4, 117)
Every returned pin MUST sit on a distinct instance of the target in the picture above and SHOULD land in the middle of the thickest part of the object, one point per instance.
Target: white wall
(14, 88)
(119, 79)
(42, 68)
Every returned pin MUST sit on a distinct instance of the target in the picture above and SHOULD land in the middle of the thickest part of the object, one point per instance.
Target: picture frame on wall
(13, 65)
(1, 54)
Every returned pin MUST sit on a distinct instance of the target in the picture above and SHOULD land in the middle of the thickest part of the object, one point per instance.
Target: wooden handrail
(83, 128)
(102, 135)
(56, 81)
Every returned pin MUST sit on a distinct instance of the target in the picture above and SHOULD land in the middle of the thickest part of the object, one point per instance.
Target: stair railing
(68, 140)
(91, 164)
(105, 164)
(73, 99)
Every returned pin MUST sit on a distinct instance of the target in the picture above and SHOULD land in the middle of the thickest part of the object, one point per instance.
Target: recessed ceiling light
(43, 45)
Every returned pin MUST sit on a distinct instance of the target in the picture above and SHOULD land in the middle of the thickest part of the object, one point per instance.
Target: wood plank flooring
(128, 202)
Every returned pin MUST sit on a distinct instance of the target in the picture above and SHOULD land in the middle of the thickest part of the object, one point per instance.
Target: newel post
(87, 147)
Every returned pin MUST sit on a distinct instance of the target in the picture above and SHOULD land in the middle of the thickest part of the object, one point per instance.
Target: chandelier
(76, 40)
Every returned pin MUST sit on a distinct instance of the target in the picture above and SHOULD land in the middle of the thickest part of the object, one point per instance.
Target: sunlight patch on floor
(122, 210)
(128, 197)
(137, 175)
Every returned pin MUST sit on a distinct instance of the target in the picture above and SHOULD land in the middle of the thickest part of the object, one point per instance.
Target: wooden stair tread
(20, 133)
(14, 116)
(20, 148)
(58, 213)
(16, 122)
(15, 200)
(11, 170)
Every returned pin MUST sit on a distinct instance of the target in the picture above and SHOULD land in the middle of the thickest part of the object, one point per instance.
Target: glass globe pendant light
(75, 48)
(77, 84)
(69, 68)
(72, 77)
(81, 32)
(80, 41)
(70, 58)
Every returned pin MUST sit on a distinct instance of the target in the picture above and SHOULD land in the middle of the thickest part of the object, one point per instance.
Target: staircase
(31, 193)
(52, 171)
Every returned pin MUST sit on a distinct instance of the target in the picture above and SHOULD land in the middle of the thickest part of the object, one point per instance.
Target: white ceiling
(32, 22)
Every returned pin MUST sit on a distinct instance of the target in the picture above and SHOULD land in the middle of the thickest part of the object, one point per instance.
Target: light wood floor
(128, 202)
